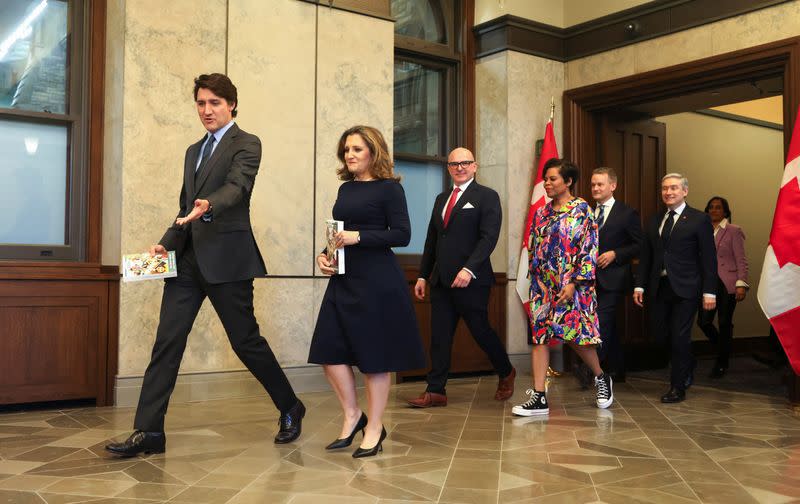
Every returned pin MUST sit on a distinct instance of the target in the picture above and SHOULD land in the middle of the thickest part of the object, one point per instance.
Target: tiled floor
(715, 447)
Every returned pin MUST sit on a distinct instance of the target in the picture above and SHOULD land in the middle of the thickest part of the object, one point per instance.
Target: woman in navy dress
(367, 317)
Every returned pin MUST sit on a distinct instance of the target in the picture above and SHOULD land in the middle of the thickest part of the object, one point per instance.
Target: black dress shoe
(673, 396)
(291, 424)
(371, 452)
(345, 442)
(139, 442)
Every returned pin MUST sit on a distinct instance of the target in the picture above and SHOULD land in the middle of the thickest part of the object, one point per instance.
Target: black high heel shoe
(345, 442)
(371, 452)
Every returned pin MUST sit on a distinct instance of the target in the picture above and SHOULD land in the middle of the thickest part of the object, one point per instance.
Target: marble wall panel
(672, 49)
(516, 322)
(275, 81)
(601, 67)
(112, 132)
(286, 317)
(355, 79)
(532, 83)
(491, 103)
(740, 32)
(759, 27)
(162, 54)
(491, 96)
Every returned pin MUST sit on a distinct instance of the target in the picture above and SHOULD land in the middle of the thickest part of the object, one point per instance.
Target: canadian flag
(779, 288)
(538, 199)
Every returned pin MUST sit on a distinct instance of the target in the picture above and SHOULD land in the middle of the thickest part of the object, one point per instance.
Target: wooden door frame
(580, 104)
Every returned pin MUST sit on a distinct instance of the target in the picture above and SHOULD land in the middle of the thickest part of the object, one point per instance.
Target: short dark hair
(566, 169)
(220, 85)
(612, 174)
(726, 208)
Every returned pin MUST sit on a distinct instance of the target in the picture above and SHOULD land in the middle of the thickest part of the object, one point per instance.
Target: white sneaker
(605, 390)
(536, 405)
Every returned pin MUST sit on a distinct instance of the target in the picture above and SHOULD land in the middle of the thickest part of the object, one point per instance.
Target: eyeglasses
(456, 164)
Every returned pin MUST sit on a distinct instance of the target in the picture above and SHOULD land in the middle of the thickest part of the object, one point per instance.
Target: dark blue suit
(621, 232)
(690, 260)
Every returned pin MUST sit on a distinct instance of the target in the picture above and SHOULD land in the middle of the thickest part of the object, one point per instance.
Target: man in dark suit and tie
(463, 231)
(678, 264)
(620, 236)
(217, 258)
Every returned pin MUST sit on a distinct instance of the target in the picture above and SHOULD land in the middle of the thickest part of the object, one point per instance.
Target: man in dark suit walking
(462, 233)
(678, 264)
(217, 258)
(620, 236)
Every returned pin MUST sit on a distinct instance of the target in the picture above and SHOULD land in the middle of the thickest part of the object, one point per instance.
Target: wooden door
(637, 151)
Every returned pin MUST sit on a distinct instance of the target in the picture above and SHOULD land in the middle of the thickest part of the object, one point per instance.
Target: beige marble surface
(600, 67)
(355, 83)
(491, 92)
(351, 56)
(275, 81)
(532, 83)
(740, 32)
(112, 132)
(159, 122)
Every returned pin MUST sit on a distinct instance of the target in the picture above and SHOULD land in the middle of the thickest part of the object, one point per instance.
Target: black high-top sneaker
(605, 390)
(536, 405)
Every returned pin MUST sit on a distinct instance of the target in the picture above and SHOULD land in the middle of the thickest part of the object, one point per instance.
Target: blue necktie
(206, 153)
(601, 217)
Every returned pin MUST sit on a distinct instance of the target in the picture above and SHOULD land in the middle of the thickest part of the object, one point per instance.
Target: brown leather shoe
(428, 400)
(505, 387)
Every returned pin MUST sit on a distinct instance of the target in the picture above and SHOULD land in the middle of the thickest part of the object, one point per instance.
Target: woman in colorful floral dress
(563, 245)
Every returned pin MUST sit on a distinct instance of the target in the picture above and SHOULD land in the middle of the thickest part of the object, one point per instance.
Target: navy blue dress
(367, 316)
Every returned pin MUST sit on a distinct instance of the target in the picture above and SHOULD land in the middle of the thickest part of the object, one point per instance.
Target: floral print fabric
(563, 249)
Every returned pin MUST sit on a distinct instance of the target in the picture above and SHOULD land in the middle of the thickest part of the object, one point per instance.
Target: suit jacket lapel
(463, 200)
(226, 141)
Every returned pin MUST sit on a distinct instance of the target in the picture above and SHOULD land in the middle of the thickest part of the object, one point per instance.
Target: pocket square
(468, 205)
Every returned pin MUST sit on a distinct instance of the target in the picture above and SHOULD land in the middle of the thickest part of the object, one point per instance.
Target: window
(427, 73)
(42, 130)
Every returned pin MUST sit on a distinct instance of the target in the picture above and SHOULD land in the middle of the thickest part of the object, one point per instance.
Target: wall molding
(373, 8)
(739, 118)
(647, 21)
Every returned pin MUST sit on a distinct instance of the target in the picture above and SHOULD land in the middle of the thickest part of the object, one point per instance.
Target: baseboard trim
(203, 386)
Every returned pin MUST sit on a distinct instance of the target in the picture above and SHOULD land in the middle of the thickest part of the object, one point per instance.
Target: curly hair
(382, 166)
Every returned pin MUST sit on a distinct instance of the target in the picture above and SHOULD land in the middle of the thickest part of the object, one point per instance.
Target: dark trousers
(447, 306)
(722, 337)
(672, 318)
(180, 303)
(610, 352)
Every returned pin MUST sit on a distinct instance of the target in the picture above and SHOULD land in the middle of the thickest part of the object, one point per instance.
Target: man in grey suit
(217, 258)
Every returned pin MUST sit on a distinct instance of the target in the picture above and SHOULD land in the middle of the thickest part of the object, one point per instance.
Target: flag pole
(552, 108)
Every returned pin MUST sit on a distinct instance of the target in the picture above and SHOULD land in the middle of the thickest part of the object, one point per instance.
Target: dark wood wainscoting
(467, 357)
(59, 332)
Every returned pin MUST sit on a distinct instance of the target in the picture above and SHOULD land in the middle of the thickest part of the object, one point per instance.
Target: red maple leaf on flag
(784, 238)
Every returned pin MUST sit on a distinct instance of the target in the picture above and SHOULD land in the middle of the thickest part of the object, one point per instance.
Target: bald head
(461, 165)
(460, 154)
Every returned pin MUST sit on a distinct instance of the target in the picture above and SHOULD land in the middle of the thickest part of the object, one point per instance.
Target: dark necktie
(667, 229)
(206, 153)
(450, 204)
(601, 217)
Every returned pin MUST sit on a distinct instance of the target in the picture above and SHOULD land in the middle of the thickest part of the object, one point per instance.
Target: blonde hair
(382, 166)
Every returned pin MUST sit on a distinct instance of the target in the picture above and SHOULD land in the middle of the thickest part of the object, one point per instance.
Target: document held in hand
(136, 267)
(335, 256)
